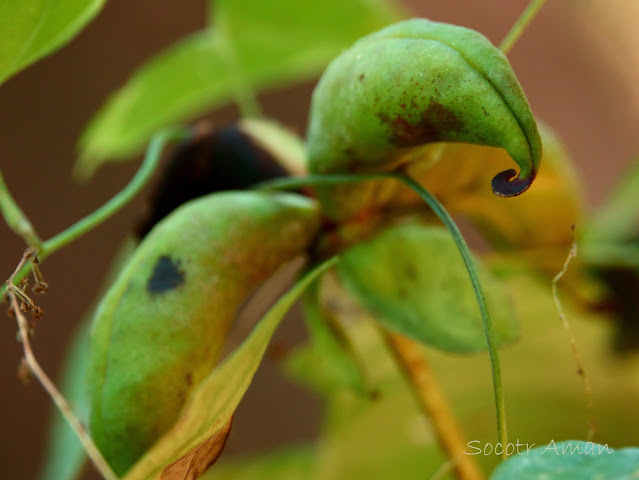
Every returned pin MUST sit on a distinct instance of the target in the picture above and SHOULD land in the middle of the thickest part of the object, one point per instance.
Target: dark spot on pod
(508, 184)
(223, 159)
(166, 276)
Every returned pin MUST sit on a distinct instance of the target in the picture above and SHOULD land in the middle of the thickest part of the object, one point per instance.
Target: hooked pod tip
(509, 184)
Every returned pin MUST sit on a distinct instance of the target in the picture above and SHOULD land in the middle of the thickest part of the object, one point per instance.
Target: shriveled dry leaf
(196, 462)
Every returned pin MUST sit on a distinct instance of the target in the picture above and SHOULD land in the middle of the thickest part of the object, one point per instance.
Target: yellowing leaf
(542, 218)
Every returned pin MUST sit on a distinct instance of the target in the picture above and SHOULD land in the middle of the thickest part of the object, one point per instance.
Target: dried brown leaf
(196, 462)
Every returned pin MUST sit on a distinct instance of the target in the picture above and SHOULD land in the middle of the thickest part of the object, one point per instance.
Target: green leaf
(65, 455)
(251, 44)
(216, 398)
(413, 280)
(330, 349)
(618, 219)
(571, 460)
(290, 463)
(31, 29)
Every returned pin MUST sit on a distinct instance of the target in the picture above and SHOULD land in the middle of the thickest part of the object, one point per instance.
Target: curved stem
(521, 24)
(144, 173)
(293, 183)
(489, 331)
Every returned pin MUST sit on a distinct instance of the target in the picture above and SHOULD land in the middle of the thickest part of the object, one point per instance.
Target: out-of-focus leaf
(291, 463)
(65, 455)
(31, 29)
(387, 438)
(383, 436)
(571, 460)
(413, 279)
(216, 398)
(259, 43)
(617, 220)
(330, 350)
(182, 80)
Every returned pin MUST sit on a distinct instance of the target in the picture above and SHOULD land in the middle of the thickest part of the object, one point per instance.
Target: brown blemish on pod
(435, 119)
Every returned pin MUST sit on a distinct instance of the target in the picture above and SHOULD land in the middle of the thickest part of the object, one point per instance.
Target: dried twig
(29, 358)
(581, 371)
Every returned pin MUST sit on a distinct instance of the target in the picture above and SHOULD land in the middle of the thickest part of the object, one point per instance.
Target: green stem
(15, 217)
(88, 223)
(294, 183)
(521, 24)
(489, 331)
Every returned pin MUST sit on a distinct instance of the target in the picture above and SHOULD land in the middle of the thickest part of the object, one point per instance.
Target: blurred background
(578, 63)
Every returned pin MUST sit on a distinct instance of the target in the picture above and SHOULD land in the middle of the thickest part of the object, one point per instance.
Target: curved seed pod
(160, 328)
(412, 83)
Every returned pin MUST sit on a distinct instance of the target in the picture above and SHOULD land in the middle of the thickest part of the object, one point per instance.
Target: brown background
(570, 62)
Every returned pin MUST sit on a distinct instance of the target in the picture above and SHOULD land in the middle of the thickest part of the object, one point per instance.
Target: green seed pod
(412, 83)
(161, 327)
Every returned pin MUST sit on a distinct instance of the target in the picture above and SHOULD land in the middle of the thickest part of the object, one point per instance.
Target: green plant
(385, 275)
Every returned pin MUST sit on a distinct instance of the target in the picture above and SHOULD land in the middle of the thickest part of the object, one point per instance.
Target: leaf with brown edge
(195, 463)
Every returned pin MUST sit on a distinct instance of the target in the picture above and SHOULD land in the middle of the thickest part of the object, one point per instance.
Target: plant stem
(432, 401)
(15, 217)
(59, 400)
(298, 182)
(520, 25)
(489, 332)
(116, 203)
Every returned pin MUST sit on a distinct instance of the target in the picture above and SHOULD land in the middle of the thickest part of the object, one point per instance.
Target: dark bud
(213, 160)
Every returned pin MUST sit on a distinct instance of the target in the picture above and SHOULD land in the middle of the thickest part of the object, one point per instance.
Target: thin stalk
(432, 401)
(78, 428)
(15, 217)
(116, 203)
(489, 332)
(581, 369)
(521, 24)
